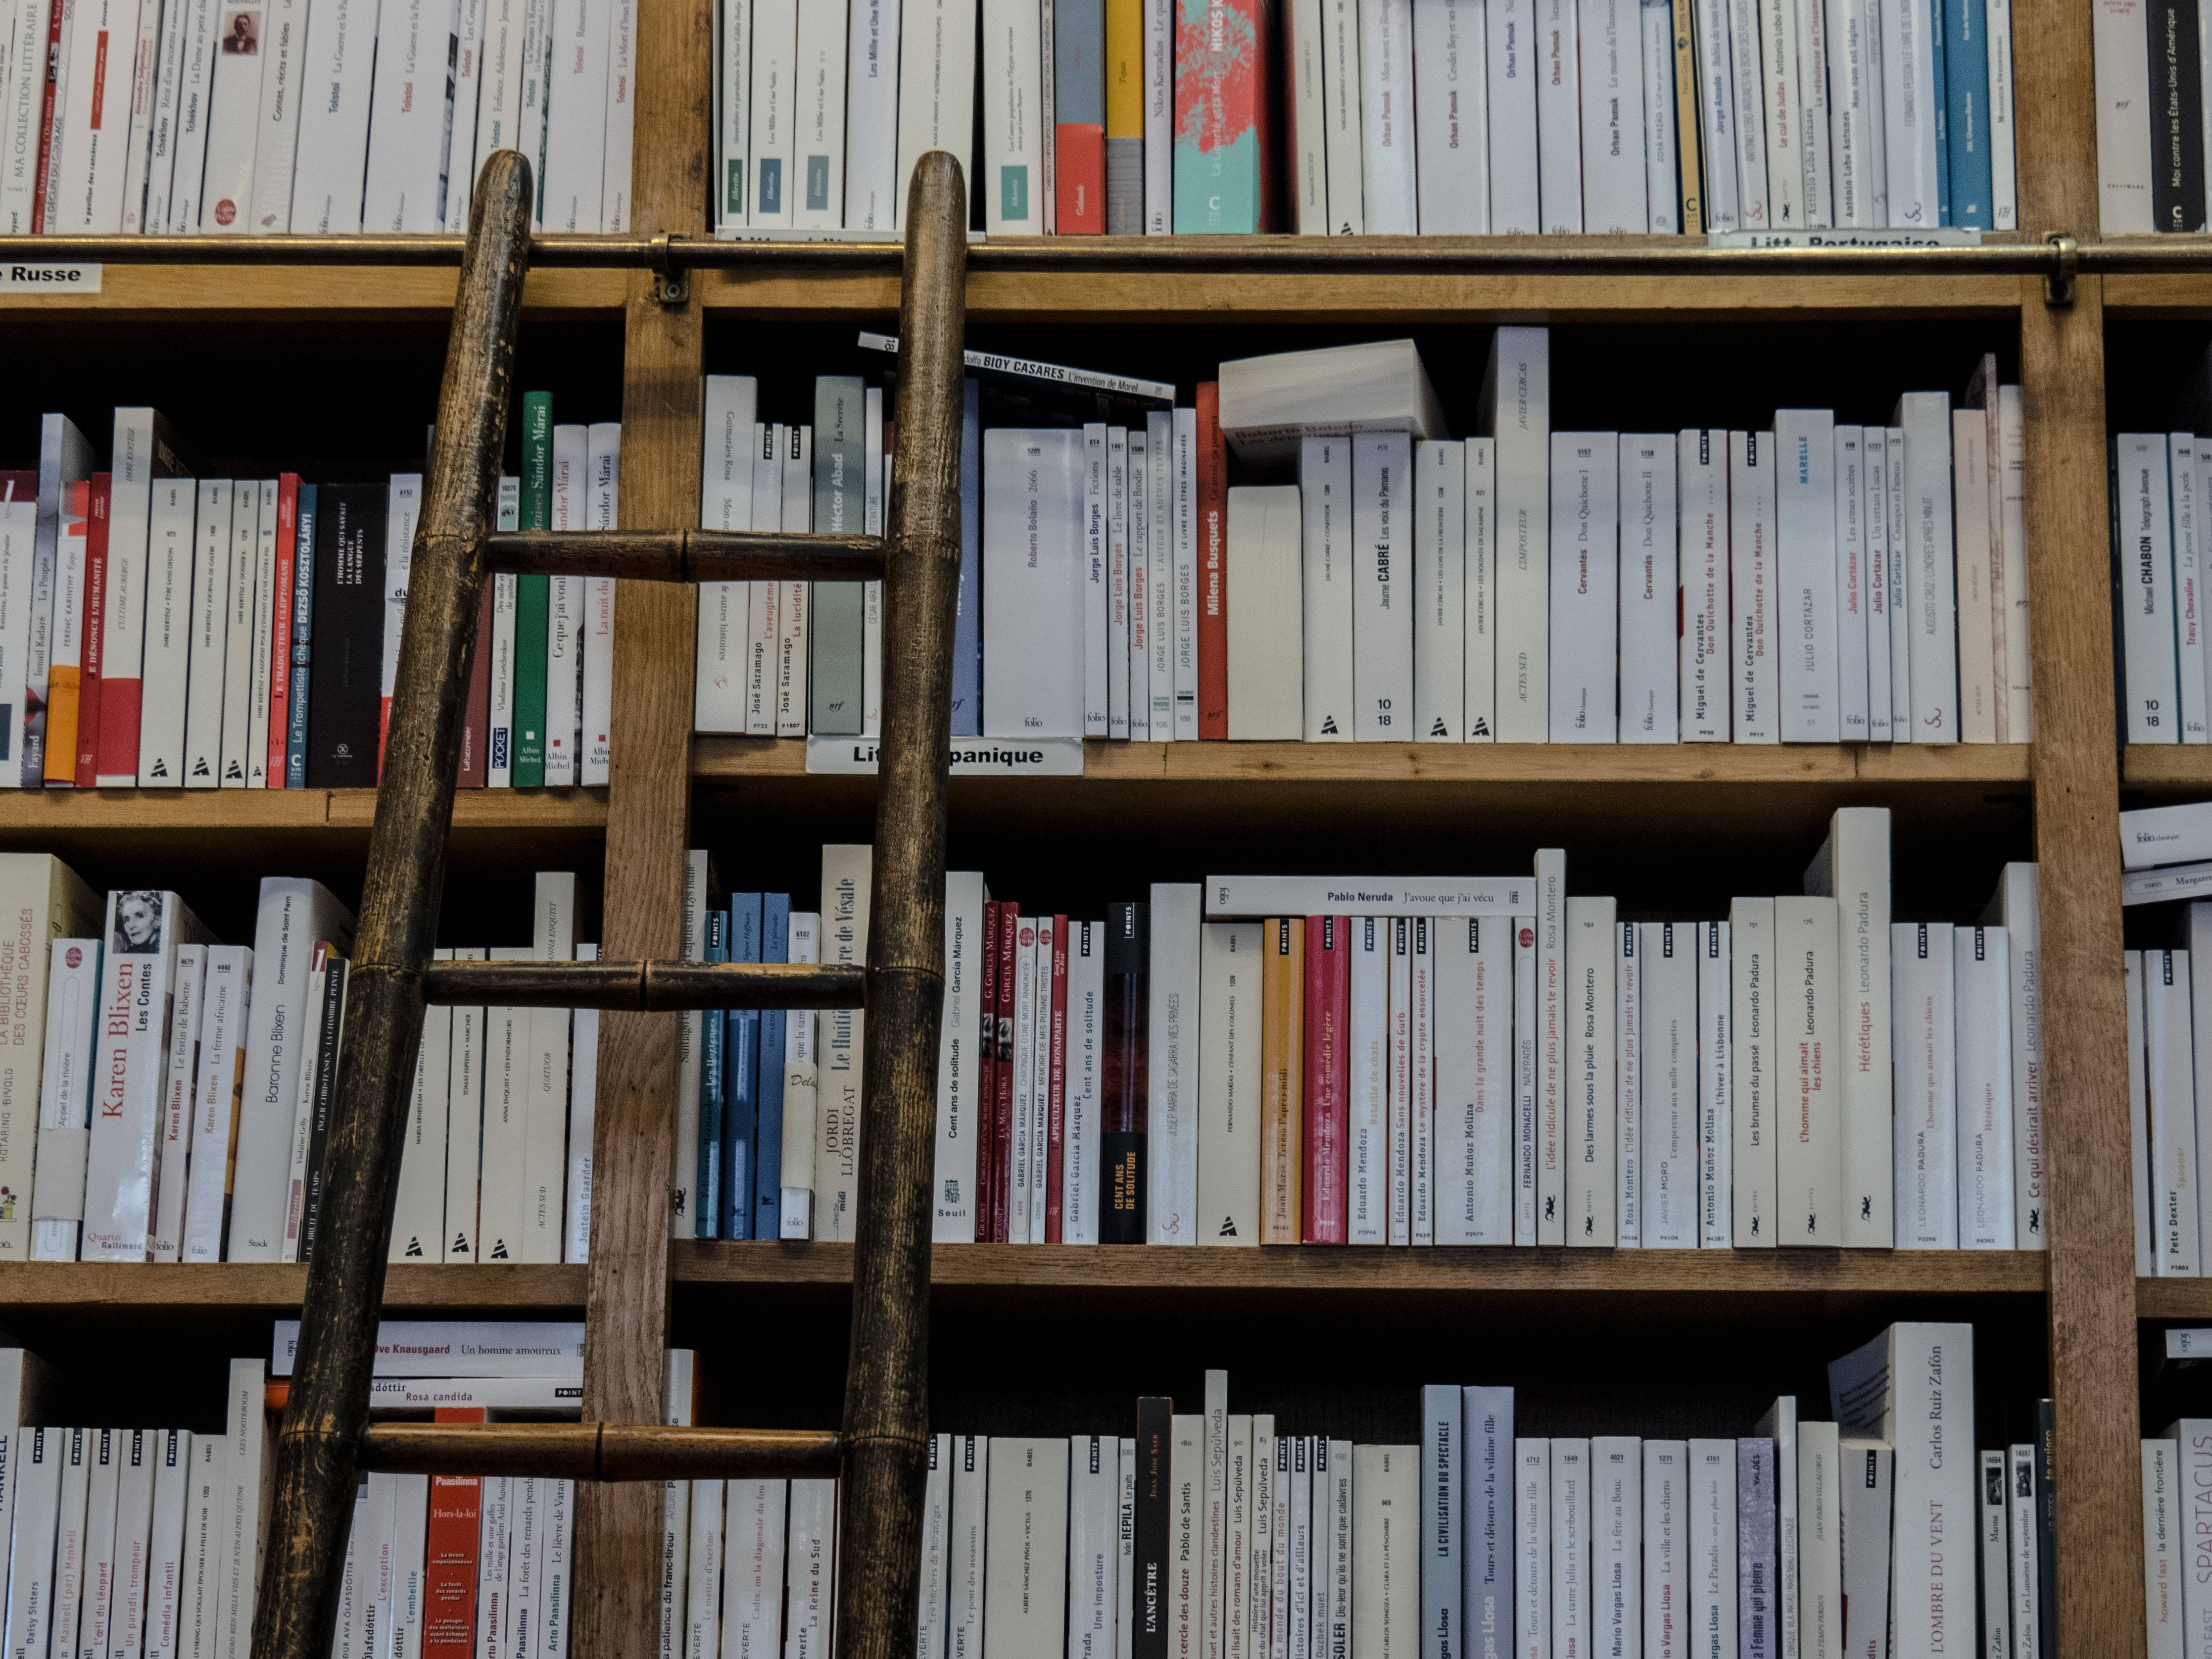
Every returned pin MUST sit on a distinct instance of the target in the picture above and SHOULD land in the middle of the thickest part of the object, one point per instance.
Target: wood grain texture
(339, 294)
(1301, 1270)
(648, 828)
(641, 987)
(2166, 766)
(249, 1287)
(2173, 1298)
(718, 756)
(80, 812)
(689, 556)
(593, 1450)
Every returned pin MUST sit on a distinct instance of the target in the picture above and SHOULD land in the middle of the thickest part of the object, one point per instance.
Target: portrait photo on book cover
(138, 924)
(242, 33)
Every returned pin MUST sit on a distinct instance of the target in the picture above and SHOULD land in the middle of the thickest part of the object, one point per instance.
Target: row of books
(1819, 582)
(2161, 550)
(2152, 145)
(185, 1103)
(1283, 1060)
(1220, 1531)
(269, 117)
(2177, 1597)
(1376, 117)
(167, 631)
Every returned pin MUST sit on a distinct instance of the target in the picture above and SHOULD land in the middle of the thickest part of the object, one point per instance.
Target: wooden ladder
(881, 1452)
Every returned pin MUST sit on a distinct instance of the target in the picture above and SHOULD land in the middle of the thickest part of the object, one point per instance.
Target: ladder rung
(599, 1451)
(686, 556)
(642, 987)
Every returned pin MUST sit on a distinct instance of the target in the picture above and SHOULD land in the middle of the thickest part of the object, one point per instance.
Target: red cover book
(475, 714)
(1056, 1098)
(1327, 1076)
(449, 1555)
(280, 632)
(46, 118)
(1079, 178)
(92, 624)
(1212, 567)
(1002, 1123)
(986, 1091)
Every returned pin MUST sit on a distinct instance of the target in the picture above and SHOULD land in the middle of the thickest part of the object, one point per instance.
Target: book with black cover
(1126, 1075)
(342, 720)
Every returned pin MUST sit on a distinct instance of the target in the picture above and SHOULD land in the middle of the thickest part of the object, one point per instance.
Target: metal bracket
(672, 286)
(2066, 258)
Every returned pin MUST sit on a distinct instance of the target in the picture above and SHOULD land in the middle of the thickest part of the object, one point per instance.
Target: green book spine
(836, 629)
(532, 594)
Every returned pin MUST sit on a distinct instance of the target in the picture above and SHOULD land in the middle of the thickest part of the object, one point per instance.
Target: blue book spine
(1937, 15)
(740, 1069)
(303, 618)
(709, 1208)
(1966, 112)
(767, 1150)
(968, 627)
(1486, 1522)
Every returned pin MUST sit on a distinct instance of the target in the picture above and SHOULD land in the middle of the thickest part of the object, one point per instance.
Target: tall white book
(1474, 1076)
(1592, 1150)
(1552, 1013)
(1715, 1089)
(1532, 1547)
(1514, 195)
(1925, 1025)
(42, 900)
(1756, 1041)
(1515, 409)
(1614, 197)
(1033, 564)
(576, 115)
(1649, 583)
(65, 1099)
(180, 1047)
(1712, 1544)
(1370, 1072)
(209, 646)
(1326, 557)
(1809, 1146)
(1628, 1086)
(1851, 589)
(1266, 698)
(1438, 592)
(602, 488)
(952, 1212)
(2014, 906)
(1559, 158)
(1979, 688)
(1880, 581)
(1387, 133)
(1585, 609)
(937, 88)
(775, 113)
(1013, 68)
(1853, 868)
(1617, 1543)
(1172, 1142)
(276, 149)
(1480, 630)
(872, 139)
(1228, 1097)
(1716, 118)
(1912, 117)
(1754, 206)
(1667, 1116)
(819, 135)
(725, 490)
(1932, 612)
(1382, 611)
(1451, 109)
(1984, 1059)
(1755, 675)
(1340, 94)
(2142, 516)
(1706, 614)
(1666, 1552)
(409, 117)
(1805, 570)
(1663, 165)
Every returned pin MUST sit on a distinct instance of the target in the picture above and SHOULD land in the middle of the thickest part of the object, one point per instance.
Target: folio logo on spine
(49, 279)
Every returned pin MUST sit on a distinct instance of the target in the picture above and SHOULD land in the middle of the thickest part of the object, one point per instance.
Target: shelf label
(972, 757)
(1945, 236)
(49, 279)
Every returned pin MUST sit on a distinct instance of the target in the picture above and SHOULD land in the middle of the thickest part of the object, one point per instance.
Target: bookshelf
(2065, 1320)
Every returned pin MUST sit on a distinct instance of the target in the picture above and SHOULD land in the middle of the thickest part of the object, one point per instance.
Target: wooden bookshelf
(2067, 1319)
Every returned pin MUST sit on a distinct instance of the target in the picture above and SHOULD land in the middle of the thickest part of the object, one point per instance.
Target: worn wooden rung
(686, 556)
(600, 1451)
(642, 987)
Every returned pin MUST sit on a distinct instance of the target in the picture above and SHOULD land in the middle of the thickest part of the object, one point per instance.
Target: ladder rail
(318, 1447)
(886, 1422)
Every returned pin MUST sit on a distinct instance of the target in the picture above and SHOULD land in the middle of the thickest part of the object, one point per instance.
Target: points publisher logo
(225, 211)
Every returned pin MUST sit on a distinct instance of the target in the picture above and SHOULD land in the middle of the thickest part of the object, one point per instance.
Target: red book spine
(55, 18)
(449, 1555)
(1002, 1126)
(279, 631)
(1327, 1076)
(476, 716)
(987, 1092)
(1056, 1098)
(93, 625)
(1212, 567)
(1079, 178)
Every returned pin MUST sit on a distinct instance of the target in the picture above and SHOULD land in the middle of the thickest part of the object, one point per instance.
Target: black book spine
(2177, 117)
(1149, 1594)
(2046, 1531)
(342, 720)
(1121, 1150)
(329, 1023)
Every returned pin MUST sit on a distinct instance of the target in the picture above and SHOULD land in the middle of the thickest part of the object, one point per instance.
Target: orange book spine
(1282, 1052)
(62, 677)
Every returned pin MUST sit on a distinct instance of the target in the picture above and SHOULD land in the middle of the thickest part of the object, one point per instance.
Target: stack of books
(169, 631)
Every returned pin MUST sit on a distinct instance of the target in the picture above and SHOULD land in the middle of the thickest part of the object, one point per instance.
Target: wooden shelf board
(1546, 763)
(2173, 1298)
(1321, 1270)
(2166, 766)
(50, 1288)
(26, 814)
(206, 291)
(2181, 293)
(1139, 295)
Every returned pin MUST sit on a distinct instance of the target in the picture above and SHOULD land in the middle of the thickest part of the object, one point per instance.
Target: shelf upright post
(2091, 1299)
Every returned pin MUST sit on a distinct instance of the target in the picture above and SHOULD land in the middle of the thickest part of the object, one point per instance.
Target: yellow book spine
(61, 723)
(1282, 1052)
(1125, 68)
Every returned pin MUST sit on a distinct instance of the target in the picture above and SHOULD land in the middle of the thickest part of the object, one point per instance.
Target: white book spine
(1666, 1534)
(1874, 497)
(1013, 70)
(1748, 110)
(180, 1071)
(1701, 472)
(1387, 122)
(1480, 630)
(1612, 53)
(576, 118)
(1754, 1059)
(1439, 591)
(237, 678)
(2164, 1588)
(1984, 1062)
(1516, 404)
(1593, 946)
(1527, 1113)
(171, 546)
(1382, 619)
(1933, 612)
(2005, 169)
(1187, 536)
(1649, 600)
(418, 1223)
(209, 646)
(1900, 610)
(1368, 1028)
(1912, 112)
(144, 930)
(1805, 572)
(1158, 49)
(1808, 989)
(467, 99)
(2142, 509)
(1533, 1600)
(1668, 1206)
(265, 623)
(1559, 158)
(284, 42)
(464, 1113)
(24, 88)
(137, 155)
(1172, 1142)
(2012, 510)
(1452, 112)
(1663, 165)
(1628, 1091)
(1341, 92)
(1510, 28)
(774, 113)
(1484, 1049)
(1081, 1188)
(1585, 587)
(1325, 500)
(65, 1099)
(1977, 577)
(819, 161)
(596, 755)
(1851, 590)
(1552, 1014)
(2139, 1163)
(1422, 1056)
(1712, 1544)
(1227, 1210)
(1717, 117)
(872, 89)
(401, 188)
(1715, 1089)
(1160, 567)
(1755, 675)
(2168, 1070)
(226, 986)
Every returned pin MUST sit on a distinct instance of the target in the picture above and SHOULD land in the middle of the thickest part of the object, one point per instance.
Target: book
(1388, 1598)
(42, 900)
(1224, 173)
(1229, 1094)
(1264, 634)
(1585, 572)
(1808, 1125)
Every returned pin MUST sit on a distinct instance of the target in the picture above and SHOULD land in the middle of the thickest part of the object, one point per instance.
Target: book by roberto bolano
(1912, 1387)
(952, 1211)
(295, 914)
(1033, 564)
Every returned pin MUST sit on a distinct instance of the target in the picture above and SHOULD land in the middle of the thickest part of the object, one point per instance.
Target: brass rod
(599, 1451)
(887, 1378)
(318, 1447)
(687, 555)
(641, 986)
